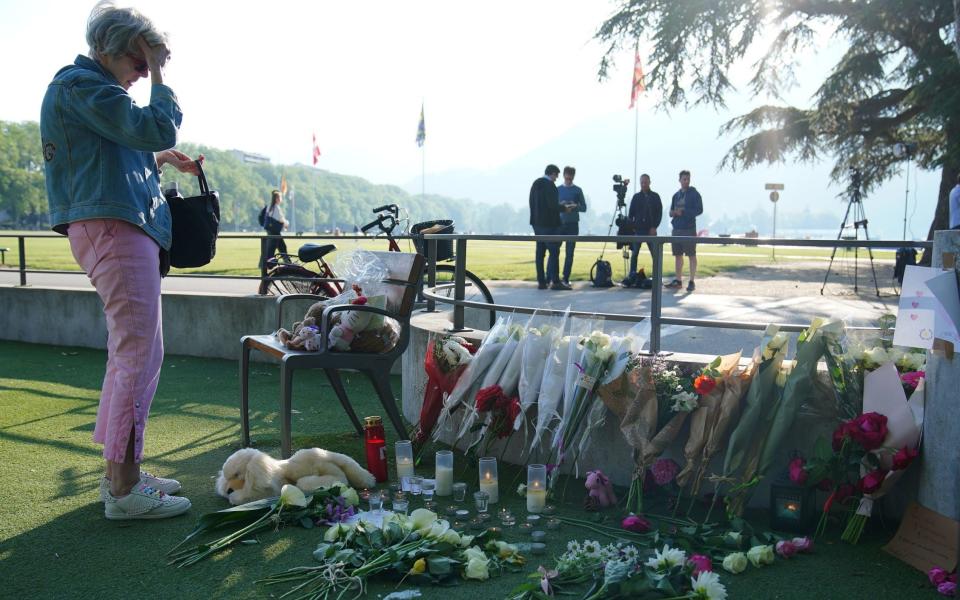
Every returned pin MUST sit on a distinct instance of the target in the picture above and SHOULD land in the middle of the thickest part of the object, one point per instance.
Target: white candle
(489, 484)
(536, 499)
(404, 467)
(444, 481)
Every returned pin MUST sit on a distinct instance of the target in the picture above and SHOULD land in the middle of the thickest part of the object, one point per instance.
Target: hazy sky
(499, 80)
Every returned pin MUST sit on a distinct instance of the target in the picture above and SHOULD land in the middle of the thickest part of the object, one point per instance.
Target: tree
(896, 81)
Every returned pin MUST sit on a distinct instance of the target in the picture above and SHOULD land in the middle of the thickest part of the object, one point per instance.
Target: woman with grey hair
(103, 155)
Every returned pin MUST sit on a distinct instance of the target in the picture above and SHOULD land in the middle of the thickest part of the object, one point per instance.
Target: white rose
(291, 495)
(735, 563)
(350, 496)
(466, 540)
(876, 356)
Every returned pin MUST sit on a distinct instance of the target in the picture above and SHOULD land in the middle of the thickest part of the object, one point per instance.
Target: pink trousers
(122, 262)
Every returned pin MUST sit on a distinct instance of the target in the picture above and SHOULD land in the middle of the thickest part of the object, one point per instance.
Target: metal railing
(460, 304)
(656, 245)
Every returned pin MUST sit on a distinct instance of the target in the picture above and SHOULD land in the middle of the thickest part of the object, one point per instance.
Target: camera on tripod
(856, 179)
(620, 187)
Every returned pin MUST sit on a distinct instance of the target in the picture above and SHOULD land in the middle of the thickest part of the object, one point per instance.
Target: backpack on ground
(906, 257)
(601, 274)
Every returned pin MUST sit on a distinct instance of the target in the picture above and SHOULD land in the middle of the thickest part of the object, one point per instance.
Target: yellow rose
(419, 566)
(735, 563)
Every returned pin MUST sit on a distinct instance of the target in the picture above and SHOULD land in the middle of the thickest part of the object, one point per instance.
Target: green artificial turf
(55, 542)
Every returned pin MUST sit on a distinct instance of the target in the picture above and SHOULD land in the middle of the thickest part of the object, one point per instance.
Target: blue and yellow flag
(421, 130)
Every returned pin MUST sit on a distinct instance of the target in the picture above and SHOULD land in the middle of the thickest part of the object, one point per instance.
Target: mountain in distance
(734, 201)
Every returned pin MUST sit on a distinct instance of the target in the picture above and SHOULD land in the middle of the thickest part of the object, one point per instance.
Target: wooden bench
(402, 282)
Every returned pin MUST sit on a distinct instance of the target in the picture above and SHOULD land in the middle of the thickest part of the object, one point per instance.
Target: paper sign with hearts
(917, 298)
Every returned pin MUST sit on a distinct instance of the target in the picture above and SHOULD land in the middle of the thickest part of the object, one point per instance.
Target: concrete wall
(193, 324)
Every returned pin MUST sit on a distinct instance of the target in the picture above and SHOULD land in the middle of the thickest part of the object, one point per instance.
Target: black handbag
(196, 223)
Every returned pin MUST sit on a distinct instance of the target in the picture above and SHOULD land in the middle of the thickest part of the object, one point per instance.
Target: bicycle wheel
(290, 279)
(474, 291)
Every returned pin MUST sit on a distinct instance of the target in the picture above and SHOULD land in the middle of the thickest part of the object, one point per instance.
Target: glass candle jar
(459, 491)
(444, 472)
(403, 450)
(536, 488)
(481, 499)
(489, 479)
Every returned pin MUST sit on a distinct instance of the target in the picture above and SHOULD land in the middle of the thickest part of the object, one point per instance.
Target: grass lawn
(55, 542)
(488, 260)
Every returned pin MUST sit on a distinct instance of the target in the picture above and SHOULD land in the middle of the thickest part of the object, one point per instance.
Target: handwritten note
(926, 539)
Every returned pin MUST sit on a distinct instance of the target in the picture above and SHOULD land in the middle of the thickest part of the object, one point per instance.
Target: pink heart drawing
(914, 316)
(914, 304)
(919, 292)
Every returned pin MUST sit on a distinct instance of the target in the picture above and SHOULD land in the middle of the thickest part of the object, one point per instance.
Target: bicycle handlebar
(386, 223)
(392, 208)
(371, 225)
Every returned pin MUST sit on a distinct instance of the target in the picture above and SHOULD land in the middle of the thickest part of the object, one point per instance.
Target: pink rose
(870, 482)
(947, 588)
(786, 549)
(635, 524)
(664, 470)
(869, 430)
(803, 544)
(903, 458)
(937, 575)
(700, 563)
(912, 379)
(798, 474)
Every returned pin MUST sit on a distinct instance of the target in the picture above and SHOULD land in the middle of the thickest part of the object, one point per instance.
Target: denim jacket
(98, 150)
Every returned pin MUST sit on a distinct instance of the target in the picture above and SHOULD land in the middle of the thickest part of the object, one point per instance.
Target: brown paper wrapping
(620, 394)
(703, 418)
(735, 387)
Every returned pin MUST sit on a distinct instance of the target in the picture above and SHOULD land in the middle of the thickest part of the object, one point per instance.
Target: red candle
(376, 447)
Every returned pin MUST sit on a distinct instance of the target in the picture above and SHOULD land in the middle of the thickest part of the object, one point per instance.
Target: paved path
(788, 292)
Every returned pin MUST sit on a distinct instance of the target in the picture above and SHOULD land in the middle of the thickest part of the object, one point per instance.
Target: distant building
(251, 157)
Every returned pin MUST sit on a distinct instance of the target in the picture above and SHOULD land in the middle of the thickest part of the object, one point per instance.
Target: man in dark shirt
(646, 212)
(572, 203)
(545, 219)
(685, 206)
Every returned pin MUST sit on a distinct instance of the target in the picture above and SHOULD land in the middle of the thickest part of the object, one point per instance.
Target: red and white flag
(637, 86)
(316, 150)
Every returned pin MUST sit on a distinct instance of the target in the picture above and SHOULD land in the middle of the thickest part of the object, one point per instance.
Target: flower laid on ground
(635, 524)
(292, 507)
(620, 570)
(700, 563)
(946, 583)
(761, 555)
(706, 586)
(666, 559)
(786, 549)
(803, 544)
(419, 547)
(735, 562)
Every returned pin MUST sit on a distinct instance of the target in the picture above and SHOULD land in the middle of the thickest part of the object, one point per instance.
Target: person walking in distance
(273, 223)
(572, 203)
(685, 206)
(646, 212)
(545, 219)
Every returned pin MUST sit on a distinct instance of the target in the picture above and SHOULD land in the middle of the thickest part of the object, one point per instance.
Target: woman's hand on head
(156, 56)
(179, 161)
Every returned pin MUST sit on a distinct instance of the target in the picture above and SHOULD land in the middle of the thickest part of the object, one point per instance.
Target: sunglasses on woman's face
(139, 64)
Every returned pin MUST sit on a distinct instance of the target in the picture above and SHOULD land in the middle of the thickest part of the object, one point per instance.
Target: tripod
(859, 220)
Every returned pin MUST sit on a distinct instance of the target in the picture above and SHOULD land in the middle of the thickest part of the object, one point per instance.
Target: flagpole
(636, 137)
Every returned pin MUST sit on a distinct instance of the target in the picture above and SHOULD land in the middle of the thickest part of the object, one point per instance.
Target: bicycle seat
(309, 252)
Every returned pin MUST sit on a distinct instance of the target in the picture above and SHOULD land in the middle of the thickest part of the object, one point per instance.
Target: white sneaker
(167, 486)
(145, 502)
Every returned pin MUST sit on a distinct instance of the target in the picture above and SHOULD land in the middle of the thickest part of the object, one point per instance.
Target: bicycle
(290, 274)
